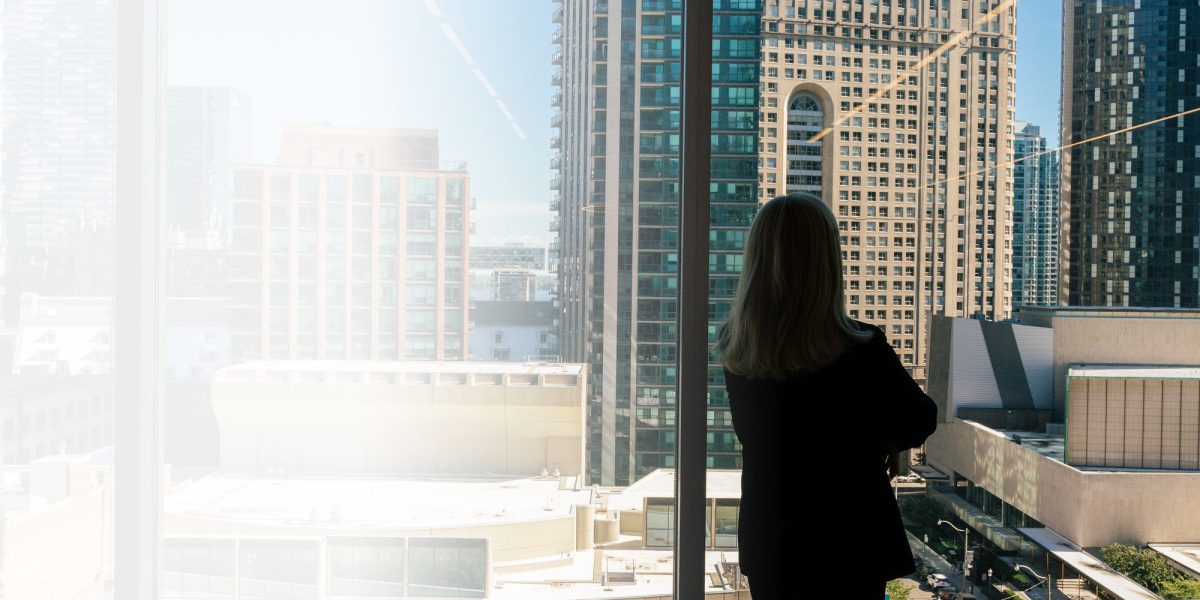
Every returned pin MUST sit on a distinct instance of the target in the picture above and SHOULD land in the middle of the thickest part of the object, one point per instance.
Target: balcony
(554, 224)
(556, 100)
(556, 142)
(556, 183)
(558, 15)
(557, 59)
(556, 161)
(555, 204)
(557, 38)
(556, 78)
(556, 120)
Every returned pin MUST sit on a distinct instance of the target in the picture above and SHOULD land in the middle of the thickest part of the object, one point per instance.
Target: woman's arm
(908, 415)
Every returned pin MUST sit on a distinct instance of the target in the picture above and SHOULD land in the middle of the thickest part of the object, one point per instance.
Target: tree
(1143, 565)
(897, 589)
(922, 511)
(1183, 588)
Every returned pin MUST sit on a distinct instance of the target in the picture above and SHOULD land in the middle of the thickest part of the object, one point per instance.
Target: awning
(1090, 567)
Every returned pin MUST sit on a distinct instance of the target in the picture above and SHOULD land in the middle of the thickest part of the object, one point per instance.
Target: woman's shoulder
(876, 333)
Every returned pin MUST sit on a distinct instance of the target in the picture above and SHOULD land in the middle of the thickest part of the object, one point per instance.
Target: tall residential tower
(1130, 206)
(900, 115)
(1035, 219)
(618, 93)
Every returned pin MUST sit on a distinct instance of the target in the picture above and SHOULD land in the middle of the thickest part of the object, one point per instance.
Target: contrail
(461, 48)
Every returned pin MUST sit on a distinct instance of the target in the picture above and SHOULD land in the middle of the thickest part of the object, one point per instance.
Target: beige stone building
(364, 417)
(355, 246)
(1079, 423)
(914, 108)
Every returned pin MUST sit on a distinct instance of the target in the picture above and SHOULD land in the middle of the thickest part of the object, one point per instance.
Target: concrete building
(514, 331)
(56, 528)
(208, 129)
(359, 417)
(514, 285)
(44, 415)
(1035, 219)
(1069, 430)
(464, 537)
(515, 255)
(1130, 217)
(903, 140)
(58, 119)
(355, 247)
(617, 178)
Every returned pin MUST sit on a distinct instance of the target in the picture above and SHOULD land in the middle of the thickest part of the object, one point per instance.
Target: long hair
(788, 316)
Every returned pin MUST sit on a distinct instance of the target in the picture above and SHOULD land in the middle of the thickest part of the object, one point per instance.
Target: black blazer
(814, 449)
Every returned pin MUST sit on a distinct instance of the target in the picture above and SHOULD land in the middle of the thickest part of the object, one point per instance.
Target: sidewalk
(927, 555)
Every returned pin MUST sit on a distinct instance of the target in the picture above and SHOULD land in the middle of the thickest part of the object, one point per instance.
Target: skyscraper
(900, 116)
(208, 128)
(58, 122)
(1035, 219)
(1130, 213)
(354, 248)
(618, 183)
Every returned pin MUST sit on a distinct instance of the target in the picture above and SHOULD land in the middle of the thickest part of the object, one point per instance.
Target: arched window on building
(805, 118)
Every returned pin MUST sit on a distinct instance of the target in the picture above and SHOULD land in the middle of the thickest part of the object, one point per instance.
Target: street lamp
(1045, 580)
(966, 544)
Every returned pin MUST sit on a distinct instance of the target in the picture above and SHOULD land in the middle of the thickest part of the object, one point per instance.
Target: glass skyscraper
(1035, 219)
(618, 183)
(1131, 214)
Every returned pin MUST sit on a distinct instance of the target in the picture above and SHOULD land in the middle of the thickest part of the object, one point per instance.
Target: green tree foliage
(1184, 588)
(1148, 568)
(897, 589)
(922, 511)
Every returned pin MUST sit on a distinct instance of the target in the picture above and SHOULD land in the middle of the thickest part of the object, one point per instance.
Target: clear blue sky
(391, 63)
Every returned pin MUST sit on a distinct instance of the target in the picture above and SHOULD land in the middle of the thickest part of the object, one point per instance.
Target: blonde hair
(788, 316)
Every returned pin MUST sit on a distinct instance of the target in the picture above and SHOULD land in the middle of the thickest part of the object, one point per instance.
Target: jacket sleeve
(907, 415)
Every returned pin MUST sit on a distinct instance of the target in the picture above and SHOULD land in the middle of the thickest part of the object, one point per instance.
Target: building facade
(514, 285)
(514, 331)
(1035, 219)
(900, 116)
(207, 130)
(508, 256)
(618, 92)
(1131, 217)
(58, 120)
(356, 247)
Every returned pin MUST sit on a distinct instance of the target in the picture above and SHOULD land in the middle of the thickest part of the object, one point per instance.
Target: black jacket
(813, 465)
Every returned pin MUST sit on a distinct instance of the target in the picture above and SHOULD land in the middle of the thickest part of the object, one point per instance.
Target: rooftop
(660, 483)
(426, 503)
(1094, 569)
(1109, 311)
(1133, 372)
(394, 371)
(1186, 556)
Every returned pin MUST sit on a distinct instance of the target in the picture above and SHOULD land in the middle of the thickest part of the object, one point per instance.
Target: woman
(821, 406)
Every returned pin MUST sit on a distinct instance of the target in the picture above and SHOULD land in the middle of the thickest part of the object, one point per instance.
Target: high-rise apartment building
(1035, 219)
(58, 118)
(1131, 217)
(618, 214)
(355, 247)
(900, 116)
(207, 129)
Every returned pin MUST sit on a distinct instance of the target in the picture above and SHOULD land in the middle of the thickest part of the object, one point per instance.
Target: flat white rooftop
(1133, 372)
(426, 503)
(414, 366)
(1120, 586)
(1187, 556)
(660, 483)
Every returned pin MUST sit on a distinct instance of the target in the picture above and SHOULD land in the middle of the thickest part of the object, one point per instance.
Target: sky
(414, 63)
